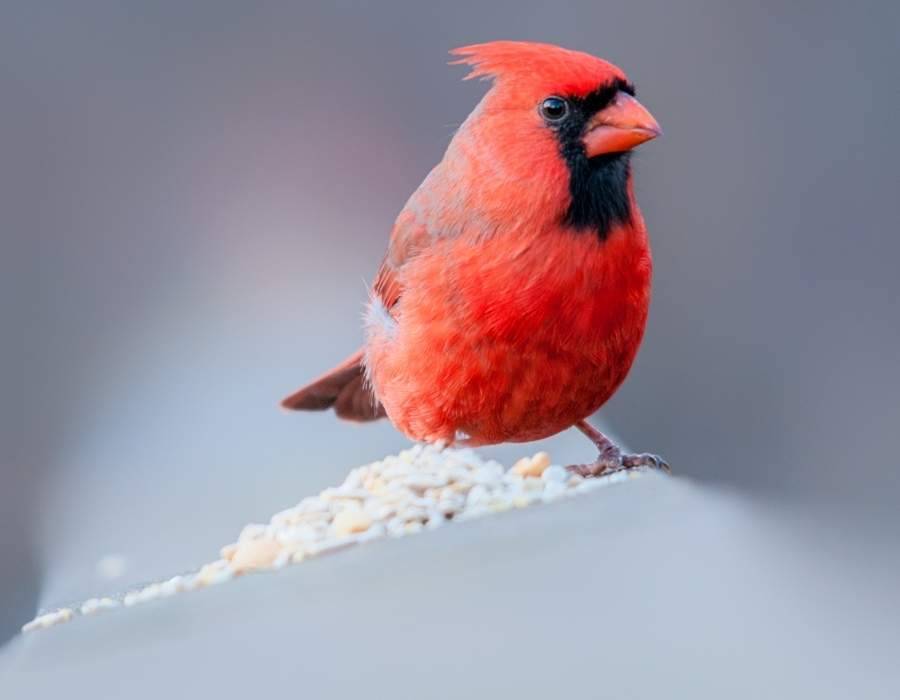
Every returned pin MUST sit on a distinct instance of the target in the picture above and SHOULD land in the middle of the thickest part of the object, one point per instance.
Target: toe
(646, 460)
(594, 469)
(585, 470)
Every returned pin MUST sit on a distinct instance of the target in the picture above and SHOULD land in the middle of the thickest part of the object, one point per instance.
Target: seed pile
(422, 488)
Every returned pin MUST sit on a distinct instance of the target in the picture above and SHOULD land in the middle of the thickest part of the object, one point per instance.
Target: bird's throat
(599, 190)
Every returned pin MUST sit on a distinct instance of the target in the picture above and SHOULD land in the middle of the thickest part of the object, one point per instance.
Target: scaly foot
(611, 459)
(607, 464)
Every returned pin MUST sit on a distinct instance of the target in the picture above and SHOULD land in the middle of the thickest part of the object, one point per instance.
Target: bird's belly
(470, 353)
(455, 383)
(449, 380)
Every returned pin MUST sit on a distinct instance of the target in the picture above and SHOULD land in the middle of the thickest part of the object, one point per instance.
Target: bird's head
(561, 120)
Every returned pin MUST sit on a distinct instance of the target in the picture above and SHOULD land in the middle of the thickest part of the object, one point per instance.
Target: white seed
(485, 476)
(532, 466)
(513, 484)
(347, 494)
(459, 474)
(375, 531)
(220, 576)
(555, 474)
(450, 504)
(298, 556)
(426, 501)
(254, 554)
(354, 480)
(461, 487)
(329, 546)
(349, 522)
(395, 470)
(500, 505)
(282, 560)
(49, 619)
(395, 526)
(435, 521)
(190, 583)
(413, 513)
(296, 516)
(378, 510)
(300, 533)
(252, 531)
(533, 483)
(312, 504)
(523, 500)
(552, 491)
(420, 482)
(210, 575)
(472, 513)
(172, 586)
(149, 593)
(95, 605)
(284, 517)
(478, 494)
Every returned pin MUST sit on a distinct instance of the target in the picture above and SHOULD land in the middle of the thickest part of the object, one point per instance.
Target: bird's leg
(611, 459)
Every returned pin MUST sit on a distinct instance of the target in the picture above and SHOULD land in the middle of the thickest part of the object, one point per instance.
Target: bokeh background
(195, 195)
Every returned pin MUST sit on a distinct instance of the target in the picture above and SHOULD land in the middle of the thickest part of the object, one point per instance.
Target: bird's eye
(553, 109)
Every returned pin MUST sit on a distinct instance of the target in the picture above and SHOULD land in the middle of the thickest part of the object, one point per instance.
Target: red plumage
(504, 309)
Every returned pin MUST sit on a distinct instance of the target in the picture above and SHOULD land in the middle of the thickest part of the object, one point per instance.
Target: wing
(342, 388)
(408, 238)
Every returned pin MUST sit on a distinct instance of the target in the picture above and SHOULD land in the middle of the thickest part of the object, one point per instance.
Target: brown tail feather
(343, 388)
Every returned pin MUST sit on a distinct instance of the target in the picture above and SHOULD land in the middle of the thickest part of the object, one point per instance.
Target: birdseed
(423, 488)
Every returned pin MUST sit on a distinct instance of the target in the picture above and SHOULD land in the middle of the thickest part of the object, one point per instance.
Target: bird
(514, 293)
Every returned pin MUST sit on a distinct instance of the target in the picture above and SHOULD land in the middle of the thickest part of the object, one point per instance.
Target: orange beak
(621, 126)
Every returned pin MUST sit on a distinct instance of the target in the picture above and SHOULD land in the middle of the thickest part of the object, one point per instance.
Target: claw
(609, 464)
(646, 460)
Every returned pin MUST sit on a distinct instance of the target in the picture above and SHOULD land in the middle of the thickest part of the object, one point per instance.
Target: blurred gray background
(194, 196)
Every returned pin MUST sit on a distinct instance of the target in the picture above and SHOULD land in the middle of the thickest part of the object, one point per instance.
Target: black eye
(553, 109)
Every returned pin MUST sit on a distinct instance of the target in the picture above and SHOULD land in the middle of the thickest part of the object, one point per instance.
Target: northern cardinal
(514, 293)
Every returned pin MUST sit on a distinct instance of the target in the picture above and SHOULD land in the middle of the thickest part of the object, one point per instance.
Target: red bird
(514, 293)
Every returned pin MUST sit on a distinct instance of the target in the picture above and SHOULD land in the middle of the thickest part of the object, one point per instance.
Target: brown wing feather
(356, 402)
(408, 238)
(343, 388)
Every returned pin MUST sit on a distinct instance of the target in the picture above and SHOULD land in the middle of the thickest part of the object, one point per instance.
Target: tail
(344, 388)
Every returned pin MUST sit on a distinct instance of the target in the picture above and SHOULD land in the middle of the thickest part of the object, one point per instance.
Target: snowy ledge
(421, 489)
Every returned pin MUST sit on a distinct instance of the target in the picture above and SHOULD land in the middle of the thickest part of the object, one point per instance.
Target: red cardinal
(514, 293)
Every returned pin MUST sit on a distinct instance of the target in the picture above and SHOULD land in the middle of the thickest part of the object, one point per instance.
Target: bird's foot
(611, 460)
(645, 459)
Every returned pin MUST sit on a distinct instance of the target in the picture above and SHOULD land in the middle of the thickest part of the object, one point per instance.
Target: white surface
(653, 588)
